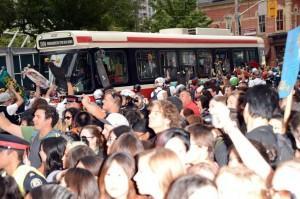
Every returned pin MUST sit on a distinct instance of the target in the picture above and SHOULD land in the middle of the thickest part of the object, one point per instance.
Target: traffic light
(272, 8)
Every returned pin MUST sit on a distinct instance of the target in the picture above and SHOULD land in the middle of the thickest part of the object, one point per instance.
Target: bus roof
(63, 40)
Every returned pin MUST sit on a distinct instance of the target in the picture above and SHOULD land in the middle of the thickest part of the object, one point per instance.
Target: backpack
(154, 97)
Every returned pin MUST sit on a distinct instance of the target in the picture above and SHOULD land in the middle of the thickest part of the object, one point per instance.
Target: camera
(74, 98)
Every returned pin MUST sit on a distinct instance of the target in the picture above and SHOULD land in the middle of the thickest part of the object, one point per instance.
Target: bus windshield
(75, 66)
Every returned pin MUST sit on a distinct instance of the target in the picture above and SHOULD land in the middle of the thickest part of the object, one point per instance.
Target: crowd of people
(227, 137)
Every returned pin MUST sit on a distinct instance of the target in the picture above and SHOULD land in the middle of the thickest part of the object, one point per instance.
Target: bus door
(168, 64)
(221, 61)
(204, 63)
(187, 66)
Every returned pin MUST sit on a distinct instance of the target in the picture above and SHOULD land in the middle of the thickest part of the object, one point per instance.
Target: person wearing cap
(12, 151)
(158, 93)
(45, 118)
(113, 120)
(9, 104)
(98, 95)
(256, 79)
(112, 103)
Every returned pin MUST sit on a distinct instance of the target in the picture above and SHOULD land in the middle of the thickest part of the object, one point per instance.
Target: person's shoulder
(54, 133)
(262, 133)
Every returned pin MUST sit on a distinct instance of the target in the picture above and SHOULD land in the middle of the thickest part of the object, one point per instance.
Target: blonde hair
(169, 111)
(165, 164)
(240, 182)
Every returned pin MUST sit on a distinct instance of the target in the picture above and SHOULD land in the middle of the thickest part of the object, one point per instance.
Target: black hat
(12, 142)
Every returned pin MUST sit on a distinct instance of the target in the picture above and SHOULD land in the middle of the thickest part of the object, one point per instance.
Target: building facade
(145, 10)
(254, 21)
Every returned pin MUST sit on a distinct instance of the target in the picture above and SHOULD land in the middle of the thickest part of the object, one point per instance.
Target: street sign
(272, 8)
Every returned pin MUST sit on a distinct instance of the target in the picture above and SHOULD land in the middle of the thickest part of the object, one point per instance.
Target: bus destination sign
(56, 42)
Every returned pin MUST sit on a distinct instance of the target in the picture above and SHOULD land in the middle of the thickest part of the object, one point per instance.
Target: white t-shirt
(12, 109)
(256, 81)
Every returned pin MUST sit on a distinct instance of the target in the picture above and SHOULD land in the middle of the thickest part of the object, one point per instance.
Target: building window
(262, 23)
(279, 20)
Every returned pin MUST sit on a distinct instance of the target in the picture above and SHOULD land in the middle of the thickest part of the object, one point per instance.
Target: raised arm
(248, 153)
(70, 88)
(19, 98)
(49, 91)
(37, 93)
(9, 127)
(93, 108)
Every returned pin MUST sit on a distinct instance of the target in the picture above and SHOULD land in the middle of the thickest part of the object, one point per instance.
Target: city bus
(96, 59)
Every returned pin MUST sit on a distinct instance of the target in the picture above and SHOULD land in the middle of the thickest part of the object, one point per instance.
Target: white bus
(131, 58)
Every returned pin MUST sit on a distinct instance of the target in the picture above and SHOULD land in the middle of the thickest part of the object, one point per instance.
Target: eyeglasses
(67, 117)
(86, 137)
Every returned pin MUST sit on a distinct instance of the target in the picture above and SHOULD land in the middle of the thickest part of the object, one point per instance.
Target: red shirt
(193, 107)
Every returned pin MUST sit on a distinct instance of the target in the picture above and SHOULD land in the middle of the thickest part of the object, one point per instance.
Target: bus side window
(116, 67)
(188, 64)
(204, 63)
(168, 61)
(146, 63)
(238, 58)
(222, 62)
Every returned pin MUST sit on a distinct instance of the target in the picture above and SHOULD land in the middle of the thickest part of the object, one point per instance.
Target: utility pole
(236, 17)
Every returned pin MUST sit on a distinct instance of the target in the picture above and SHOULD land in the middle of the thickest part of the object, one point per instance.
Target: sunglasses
(67, 117)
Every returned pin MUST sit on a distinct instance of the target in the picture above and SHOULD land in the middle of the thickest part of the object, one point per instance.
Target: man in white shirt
(256, 79)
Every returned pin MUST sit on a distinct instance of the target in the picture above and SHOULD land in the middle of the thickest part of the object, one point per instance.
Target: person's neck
(114, 109)
(43, 132)
(161, 128)
(256, 122)
(12, 167)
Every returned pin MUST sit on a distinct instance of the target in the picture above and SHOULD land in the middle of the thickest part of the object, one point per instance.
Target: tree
(175, 14)
(36, 16)
(7, 14)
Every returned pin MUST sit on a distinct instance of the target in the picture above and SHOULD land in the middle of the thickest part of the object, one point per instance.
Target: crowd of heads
(172, 145)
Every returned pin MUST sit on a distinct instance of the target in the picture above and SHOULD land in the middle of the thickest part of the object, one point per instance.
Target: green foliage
(175, 14)
(7, 14)
(36, 16)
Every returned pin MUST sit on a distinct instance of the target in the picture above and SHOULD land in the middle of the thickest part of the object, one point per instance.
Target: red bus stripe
(84, 39)
(88, 39)
(187, 40)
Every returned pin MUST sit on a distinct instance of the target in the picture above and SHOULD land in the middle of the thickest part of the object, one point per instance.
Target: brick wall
(221, 14)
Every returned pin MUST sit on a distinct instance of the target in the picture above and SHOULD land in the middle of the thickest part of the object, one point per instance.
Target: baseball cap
(127, 93)
(98, 94)
(159, 81)
(115, 120)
